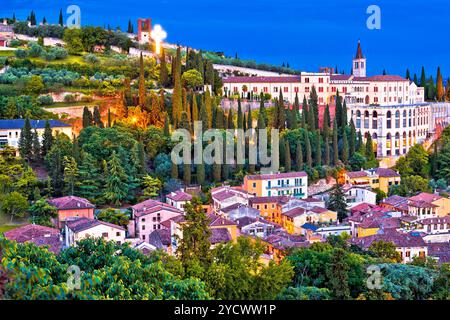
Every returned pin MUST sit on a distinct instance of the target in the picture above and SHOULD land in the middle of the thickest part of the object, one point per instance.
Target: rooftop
(86, 223)
(39, 235)
(277, 176)
(179, 195)
(70, 202)
(35, 124)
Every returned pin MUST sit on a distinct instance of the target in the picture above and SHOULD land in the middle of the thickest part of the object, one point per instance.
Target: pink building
(71, 208)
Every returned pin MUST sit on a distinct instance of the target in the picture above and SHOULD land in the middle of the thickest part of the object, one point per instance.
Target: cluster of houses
(274, 208)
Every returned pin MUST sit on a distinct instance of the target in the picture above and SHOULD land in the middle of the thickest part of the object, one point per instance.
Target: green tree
(151, 187)
(385, 250)
(26, 141)
(337, 273)
(70, 174)
(192, 79)
(14, 204)
(114, 216)
(337, 202)
(47, 138)
(299, 157)
(116, 188)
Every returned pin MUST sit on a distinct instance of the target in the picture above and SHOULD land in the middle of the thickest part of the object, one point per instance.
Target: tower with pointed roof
(359, 63)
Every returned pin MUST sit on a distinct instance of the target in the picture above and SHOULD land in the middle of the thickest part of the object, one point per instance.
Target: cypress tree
(318, 155)
(230, 120)
(344, 115)
(97, 118)
(47, 138)
(327, 150)
(141, 82)
(361, 146)
(314, 108)
(166, 126)
(60, 20)
(308, 150)
(249, 120)
(26, 141)
(261, 123)
(335, 144)
(184, 122)
(305, 117)
(209, 109)
(177, 103)
(295, 112)
(369, 148)
(439, 86)
(201, 173)
(326, 120)
(36, 146)
(76, 150)
(130, 28)
(299, 157)
(187, 174)
(240, 120)
(87, 117)
(344, 155)
(163, 72)
(281, 117)
(288, 156)
(262, 109)
(116, 188)
(416, 81)
(407, 76)
(204, 117)
(282, 152)
(174, 171)
(109, 118)
(194, 108)
(338, 110)
(352, 143)
(431, 92)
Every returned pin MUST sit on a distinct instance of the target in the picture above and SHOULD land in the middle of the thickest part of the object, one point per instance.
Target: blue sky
(307, 34)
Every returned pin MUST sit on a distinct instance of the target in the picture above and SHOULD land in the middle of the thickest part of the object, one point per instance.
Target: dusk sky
(307, 34)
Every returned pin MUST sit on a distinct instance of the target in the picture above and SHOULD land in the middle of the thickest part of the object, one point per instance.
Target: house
(435, 229)
(238, 210)
(293, 219)
(144, 247)
(147, 217)
(427, 205)
(357, 195)
(256, 227)
(409, 245)
(269, 207)
(277, 184)
(279, 243)
(381, 178)
(226, 196)
(439, 251)
(39, 235)
(6, 34)
(334, 230)
(178, 199)
(71, 208)
(160, 239)
(76, 230)
(10, 130)
(218, 222)
(395, 203)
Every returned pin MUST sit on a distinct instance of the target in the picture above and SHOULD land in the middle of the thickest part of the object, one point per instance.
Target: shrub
(20, 53)
(45, 100)
(69, 98)
(35, 50)
(91, 58)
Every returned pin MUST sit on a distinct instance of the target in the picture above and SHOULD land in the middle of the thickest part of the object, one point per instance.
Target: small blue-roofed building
(10, 130)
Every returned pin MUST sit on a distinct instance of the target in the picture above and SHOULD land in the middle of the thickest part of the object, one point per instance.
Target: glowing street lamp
(158, 34)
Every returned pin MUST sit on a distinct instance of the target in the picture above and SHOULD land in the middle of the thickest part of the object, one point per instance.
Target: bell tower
(359, 63)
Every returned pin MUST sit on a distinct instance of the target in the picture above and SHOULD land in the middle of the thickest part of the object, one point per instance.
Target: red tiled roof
(85, 224)
(440, 220)
(286, 79)
(219, 221)
(421, 204)
(272, 199)
(277, 176)
(385, 172)
(340, 77)
(70, 202)
(294, 212)
(395, 200)
(386, 78)
(399, 239)
(152, 206)
(39, 235)
(359, 54)
(427, 197)
(179, 196)
(356, 174)
(219, 235)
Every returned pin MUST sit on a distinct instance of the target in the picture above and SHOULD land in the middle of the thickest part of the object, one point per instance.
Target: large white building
(356, 88)
(10, 130)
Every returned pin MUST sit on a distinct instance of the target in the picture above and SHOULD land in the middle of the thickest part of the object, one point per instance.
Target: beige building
(83, 228)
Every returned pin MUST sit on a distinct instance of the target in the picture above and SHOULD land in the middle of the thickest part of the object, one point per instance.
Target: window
(320, 80)
(143, 237)
(105, 235)
(286, 89)
(388, 120)
(254, 184)
(397, 119)
(320, 89)
(306, 80)
(143, 227)
(117, 234)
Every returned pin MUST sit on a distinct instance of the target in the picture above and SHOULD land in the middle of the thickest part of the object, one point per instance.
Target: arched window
(374, 120)
(397, 143)
(388, 144)
(388, 120)
(397, 119)
(366, 119)
(358, 119)
(409, 118)
(404, 118)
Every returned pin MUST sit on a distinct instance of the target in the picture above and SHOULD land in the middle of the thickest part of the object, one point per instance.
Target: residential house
(395, 203)
(427, 205)
(178, 199)
(269, 207)
(257, 227)
(381, 178)
(76, 230)
(336, 230)
(71, 208)
(439, 251)
(147, 217)
(356, 195)
(436, 229)
(294, 218)
(278, 184)
(409, 245)
(226, 196)
(6, 34)
(238, 210)
(39, 235)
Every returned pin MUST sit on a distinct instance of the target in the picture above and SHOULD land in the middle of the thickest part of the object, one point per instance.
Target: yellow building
(269, 207)
(294, 219)
(368, 229)
(381, 178)
(427, 205)
(277, 184)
